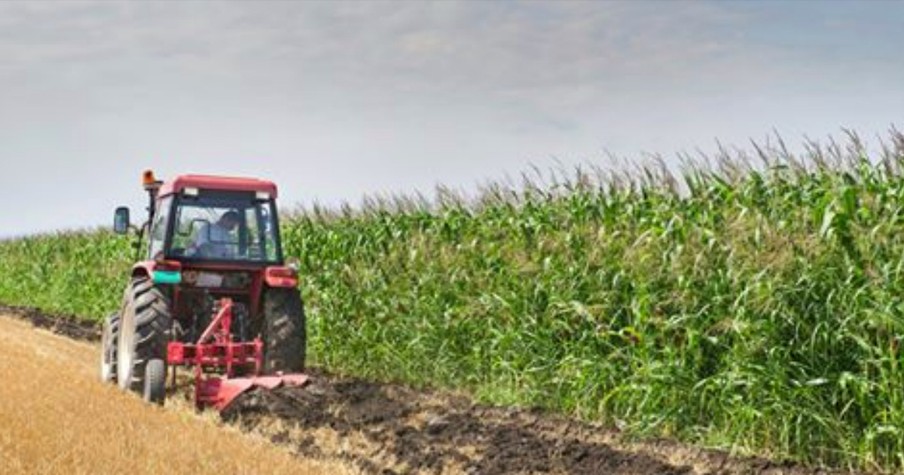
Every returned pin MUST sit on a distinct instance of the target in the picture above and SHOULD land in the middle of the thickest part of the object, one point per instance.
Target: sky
(336, 100)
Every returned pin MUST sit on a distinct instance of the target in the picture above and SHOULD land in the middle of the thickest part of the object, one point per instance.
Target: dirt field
(335, 425)
(391, 429)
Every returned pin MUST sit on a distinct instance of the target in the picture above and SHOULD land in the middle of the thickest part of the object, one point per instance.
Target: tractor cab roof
(208, 182)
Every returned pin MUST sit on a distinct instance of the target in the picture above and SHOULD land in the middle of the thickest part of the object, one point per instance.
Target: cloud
(533, 63)
(444, 45)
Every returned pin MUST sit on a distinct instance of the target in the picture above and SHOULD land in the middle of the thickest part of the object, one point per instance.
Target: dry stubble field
(56, 418)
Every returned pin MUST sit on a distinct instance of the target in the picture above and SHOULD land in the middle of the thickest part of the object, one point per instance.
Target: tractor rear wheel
(143, 334)
(108, 340)
(284, 331)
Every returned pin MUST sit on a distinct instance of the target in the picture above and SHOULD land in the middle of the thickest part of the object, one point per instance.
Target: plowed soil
(391, 429)
(350, 425)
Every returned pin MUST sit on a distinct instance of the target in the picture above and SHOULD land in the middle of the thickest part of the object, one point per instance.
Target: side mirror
(121, 220)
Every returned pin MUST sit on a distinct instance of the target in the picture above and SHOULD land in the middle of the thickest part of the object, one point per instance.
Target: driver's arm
(202, 237)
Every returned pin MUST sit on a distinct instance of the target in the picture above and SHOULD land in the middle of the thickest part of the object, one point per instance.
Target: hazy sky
(335, 100)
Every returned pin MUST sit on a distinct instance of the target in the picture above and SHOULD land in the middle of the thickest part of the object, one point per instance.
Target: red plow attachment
(224, 368)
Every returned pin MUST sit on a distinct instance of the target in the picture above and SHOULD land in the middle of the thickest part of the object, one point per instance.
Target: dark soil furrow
(400, 430)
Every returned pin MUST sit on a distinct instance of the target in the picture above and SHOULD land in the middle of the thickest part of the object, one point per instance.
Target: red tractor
(212, 292)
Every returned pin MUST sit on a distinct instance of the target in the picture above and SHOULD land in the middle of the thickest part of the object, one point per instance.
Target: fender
(162, 272)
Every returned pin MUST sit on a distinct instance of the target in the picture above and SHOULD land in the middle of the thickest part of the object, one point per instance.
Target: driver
(216, 240)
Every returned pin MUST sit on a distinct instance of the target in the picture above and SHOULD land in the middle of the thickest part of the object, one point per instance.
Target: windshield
(226, 226)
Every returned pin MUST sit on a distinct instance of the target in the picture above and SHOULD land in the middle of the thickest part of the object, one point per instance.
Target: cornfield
(754, 300)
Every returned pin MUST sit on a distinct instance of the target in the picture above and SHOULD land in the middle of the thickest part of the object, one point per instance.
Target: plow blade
(220, 392)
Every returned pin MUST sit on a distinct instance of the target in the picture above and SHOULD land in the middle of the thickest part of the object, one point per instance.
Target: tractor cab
(223, 299)
(197, 218)
(200, 218)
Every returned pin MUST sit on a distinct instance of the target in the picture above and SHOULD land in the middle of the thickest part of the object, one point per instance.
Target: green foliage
(75, 273)
(753, 307)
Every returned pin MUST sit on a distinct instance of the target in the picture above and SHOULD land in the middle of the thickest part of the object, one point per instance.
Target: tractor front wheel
(155, 381)
(284, 331)
(143, 335)
(108, 339)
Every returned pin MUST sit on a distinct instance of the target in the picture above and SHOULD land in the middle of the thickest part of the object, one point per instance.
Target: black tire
(108, 343)
(154, 390)
(144, 331)
(285, 340)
